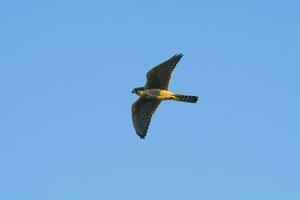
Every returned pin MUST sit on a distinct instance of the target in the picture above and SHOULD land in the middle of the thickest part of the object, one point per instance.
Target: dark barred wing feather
(159, 77)
(142, 111)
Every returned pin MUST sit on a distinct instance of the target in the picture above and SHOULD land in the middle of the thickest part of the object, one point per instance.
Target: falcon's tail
(186, 98)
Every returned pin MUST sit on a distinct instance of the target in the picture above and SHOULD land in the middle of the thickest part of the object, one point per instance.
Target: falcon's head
(137, 90)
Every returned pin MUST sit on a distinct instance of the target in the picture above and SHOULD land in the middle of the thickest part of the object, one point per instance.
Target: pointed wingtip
(142, 137)
(179, 55)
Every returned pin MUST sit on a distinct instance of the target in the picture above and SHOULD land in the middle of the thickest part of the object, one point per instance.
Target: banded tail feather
(186, 98)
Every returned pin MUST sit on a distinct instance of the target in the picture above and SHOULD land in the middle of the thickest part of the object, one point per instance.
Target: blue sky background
(66, 72)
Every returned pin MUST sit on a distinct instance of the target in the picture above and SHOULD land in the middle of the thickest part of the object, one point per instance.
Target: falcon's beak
(132, 91)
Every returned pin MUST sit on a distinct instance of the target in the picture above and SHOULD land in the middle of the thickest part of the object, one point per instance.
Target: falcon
(153, 93)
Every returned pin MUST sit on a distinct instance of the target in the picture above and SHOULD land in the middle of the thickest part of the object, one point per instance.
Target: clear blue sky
(66, 72)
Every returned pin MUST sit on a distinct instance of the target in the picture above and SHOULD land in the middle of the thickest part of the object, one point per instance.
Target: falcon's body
(157, 94)
(155, 91)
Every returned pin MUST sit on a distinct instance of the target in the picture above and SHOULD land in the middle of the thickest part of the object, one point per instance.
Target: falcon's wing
(142, 111)
(159, 77)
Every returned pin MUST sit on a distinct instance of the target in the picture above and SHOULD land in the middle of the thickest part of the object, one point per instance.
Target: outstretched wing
(159, 77)
(142, 111)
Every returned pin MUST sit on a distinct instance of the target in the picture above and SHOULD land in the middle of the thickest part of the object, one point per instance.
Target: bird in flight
(153, 93)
